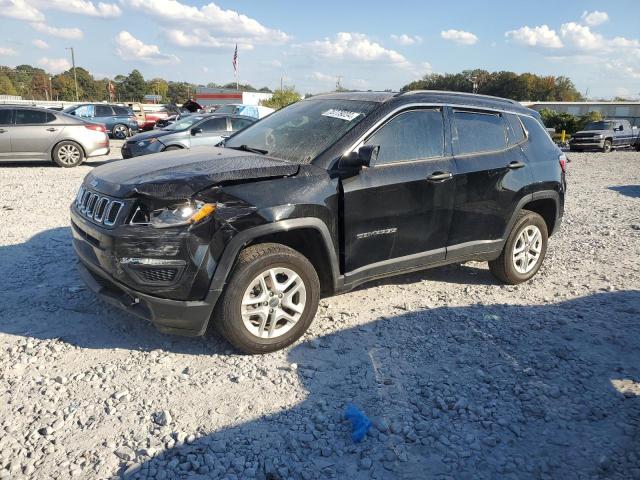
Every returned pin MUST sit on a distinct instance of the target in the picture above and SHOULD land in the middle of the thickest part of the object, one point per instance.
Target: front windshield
(599, 126)
(184, 123)
(300, 132)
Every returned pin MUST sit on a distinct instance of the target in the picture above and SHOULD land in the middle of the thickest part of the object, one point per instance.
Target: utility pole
(281, 83)
(339, 83)
(474, 80)
(75, 78)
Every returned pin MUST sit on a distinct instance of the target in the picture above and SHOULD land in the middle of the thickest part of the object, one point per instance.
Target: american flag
(235, 60)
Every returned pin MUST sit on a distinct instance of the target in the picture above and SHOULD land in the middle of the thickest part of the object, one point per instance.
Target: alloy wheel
(69, 154)
(527, 249)
(273, 302)
(120, 131)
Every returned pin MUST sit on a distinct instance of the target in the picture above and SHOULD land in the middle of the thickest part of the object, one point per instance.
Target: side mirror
(621, 127)
(196, 131)
(365, 155)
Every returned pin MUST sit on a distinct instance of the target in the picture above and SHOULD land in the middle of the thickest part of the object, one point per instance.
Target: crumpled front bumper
(169, 316)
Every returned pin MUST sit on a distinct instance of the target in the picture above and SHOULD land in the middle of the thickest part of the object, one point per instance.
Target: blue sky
(371, 45)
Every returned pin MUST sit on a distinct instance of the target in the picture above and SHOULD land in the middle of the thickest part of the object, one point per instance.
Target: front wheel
(523, 251)
(606, 148)
(270, 300)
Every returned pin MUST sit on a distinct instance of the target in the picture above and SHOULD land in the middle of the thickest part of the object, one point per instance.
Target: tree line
(34, 83)
(524, 86)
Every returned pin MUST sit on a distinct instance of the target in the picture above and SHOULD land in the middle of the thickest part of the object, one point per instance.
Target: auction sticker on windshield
(341, 114)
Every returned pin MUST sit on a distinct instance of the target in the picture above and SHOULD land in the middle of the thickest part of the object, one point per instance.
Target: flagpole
(237, 74)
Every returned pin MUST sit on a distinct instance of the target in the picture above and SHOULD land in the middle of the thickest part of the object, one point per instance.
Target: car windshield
(300, 132)
(184, 123)
(599, 126)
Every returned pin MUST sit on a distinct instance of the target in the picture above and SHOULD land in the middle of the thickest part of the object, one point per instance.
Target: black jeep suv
(316, 199)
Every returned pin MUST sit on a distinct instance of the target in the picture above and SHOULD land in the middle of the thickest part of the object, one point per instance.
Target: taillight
(562, 158)
(96, 128)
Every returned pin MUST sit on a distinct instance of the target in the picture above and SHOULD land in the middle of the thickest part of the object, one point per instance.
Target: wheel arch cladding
(309, 242)
(547, 209)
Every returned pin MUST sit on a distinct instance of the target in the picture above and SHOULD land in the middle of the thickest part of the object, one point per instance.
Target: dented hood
(177, 175)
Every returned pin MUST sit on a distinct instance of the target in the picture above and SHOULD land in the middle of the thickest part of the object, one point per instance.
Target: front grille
(98, 208)
(158, 275)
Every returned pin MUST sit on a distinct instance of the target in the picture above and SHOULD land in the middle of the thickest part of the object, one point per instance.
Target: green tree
(282, 98)
(6, 85)
(133, 87)
(180, 92)
(158, 86)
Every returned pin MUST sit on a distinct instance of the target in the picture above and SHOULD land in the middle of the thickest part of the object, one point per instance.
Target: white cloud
(323, 77)
(581, 36)
(199, 38)
(594, 18)
(216, 21)
(54, 65)
(41, 44)
(459, 36)
(20, 10)
(405, 39)
(68, 33)
(130, 48)
(355, 46)
(541, 36)
(81, 7)
(7, 52)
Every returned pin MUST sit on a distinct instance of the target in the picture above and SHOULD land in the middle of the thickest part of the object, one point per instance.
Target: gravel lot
(463, 378)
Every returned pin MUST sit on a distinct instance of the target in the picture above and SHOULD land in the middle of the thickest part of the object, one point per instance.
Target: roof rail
(467, 94)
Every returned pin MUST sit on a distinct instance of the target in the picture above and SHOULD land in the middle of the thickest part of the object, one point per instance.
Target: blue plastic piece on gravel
(360, 423)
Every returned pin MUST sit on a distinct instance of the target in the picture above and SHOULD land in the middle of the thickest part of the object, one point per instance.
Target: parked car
(147, 119)
(255, 111)
(31, 133)
(119, 121)
(318, 198)
(605, 135)
(191, 131)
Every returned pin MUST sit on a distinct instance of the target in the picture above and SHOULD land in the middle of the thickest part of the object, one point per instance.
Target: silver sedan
(30, 133)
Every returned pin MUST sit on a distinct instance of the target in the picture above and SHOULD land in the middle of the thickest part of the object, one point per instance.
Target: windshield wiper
(247, 148)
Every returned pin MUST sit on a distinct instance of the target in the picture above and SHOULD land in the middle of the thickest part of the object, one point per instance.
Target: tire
(637, 147)
(120, 131)
(172, 148)
(572, 149)
(606, 148)
(67, 154)
(254, 263)
(509, 270)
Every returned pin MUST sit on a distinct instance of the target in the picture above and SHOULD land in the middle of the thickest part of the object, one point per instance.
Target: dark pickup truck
(605, 135)
(315, 199)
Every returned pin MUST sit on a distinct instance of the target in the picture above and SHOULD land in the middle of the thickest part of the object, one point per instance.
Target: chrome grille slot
(98, 208)
(101, 208)
(113, 210)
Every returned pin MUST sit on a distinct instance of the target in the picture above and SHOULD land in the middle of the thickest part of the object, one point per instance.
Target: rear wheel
(68, 154)
(606, 148)
(524, 250)
(120, 131)
(270, 300)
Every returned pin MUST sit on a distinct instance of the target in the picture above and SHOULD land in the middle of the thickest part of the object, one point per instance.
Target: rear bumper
(99, 151)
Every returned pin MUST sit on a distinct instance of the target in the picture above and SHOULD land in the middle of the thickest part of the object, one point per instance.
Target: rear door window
(214, 125)
(479, 132)
(122, 111)
(103, 111)
(413, 135)
(33, 117)
(239, 123)
(6, 116)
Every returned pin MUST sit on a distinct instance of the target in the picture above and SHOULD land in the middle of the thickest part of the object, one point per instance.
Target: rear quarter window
(479, 132)
(515, 131)
(540, 144)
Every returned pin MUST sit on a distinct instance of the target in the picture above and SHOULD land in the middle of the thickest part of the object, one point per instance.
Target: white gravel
(463, 378)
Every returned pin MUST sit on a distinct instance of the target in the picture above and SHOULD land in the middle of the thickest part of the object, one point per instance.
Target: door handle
(515, 165)
(51, 129)
(440, 176)
(2, 130)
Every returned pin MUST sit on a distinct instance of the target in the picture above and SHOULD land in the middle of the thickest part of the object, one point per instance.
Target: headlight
(185, 213)
(600, 135)
(144, 143)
